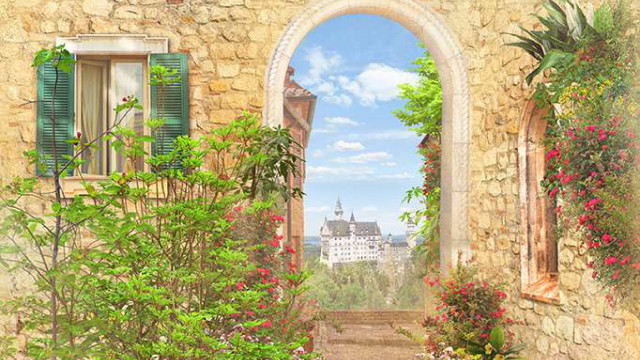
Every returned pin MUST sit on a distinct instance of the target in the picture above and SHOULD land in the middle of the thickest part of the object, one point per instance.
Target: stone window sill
(544, 290)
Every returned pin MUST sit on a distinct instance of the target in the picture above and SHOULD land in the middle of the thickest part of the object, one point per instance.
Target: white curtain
(92, 121)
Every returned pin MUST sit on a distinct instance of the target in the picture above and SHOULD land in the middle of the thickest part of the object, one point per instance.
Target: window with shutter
(170, 103)
(48, 137)
(86, 97)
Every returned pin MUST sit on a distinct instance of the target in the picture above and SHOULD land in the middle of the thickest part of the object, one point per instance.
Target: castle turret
(338, 210)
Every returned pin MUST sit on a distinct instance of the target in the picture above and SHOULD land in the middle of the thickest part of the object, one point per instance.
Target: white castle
(345, 241)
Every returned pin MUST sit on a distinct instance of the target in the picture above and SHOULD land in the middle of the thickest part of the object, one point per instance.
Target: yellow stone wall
(229, 43)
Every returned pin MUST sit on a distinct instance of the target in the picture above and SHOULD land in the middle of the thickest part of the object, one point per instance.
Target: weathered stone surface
(565, 326)
(230, 42)
(97, 7)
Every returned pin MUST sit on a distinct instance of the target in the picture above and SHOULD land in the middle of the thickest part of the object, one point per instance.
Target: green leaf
(553, 59)
(496, 338)
(603, 19)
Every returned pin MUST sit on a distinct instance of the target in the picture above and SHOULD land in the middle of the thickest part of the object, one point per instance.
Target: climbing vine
(592, 148)
(422, 114)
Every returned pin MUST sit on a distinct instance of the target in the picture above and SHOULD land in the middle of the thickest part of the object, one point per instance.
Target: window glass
(92, 120)
(128, 80)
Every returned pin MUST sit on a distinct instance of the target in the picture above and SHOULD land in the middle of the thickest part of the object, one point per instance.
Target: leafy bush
(183, 261)
(467, 310)
(593, 152)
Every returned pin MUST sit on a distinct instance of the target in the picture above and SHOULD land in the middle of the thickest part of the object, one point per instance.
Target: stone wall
(229, 43)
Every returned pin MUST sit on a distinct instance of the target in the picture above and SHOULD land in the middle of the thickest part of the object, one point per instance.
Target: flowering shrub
(181, 260)
(467, 311)
(593, 152)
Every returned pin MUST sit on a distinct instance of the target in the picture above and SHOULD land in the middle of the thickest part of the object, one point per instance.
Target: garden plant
(180, 260)
(591, 92)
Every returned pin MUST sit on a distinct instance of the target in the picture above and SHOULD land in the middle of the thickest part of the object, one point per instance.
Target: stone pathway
(369, 335)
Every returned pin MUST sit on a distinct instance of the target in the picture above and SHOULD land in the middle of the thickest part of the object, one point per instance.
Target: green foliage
(59, 56)
(496, 348)
(567, 29)
(160, 263)
(422, 113)
(593, 153)
(354, 286)
(468, 310)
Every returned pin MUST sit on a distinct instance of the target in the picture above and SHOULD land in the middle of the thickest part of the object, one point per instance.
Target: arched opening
(538, 244)
(451, 65)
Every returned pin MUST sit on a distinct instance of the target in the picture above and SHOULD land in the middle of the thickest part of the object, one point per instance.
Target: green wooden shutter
(64, 110)
(176, 103)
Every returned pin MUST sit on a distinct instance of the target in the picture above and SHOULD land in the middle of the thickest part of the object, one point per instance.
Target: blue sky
(358, 150)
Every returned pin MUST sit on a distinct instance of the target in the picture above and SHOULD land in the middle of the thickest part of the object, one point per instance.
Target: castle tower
(352, 224)
(338, 210)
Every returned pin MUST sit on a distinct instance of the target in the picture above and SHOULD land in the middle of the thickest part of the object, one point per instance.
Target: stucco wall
(229, 43)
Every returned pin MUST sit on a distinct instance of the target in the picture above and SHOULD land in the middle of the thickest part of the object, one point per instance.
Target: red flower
(611, 260)
(606, 238)
(79, 134)
(582, 219)
(615, 275)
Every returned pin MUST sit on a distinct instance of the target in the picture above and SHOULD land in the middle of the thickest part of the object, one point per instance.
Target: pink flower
(606, 238)
(582, 219)
(611, 260)
(625, 260)
(590, 128)
(615, 275)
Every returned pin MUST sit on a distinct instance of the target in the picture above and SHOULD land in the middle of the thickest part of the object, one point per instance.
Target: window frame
(535, 212)
(102, 45)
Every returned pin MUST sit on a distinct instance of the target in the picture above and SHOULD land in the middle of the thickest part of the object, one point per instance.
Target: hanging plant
(592, 149)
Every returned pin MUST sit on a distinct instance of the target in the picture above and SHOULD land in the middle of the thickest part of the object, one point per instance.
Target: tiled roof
(341, 228)
(292, 89)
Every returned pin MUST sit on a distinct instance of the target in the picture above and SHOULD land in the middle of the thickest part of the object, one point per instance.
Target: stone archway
(456, 100)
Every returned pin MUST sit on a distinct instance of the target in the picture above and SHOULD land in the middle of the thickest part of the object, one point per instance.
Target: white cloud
(339, 174)
(378, 82)
(321, 63)
(341, 145)
(392, 134)
(317, 154)
(389, 163)
(365, 157)
(340, 121)
(334, 123)
(398, 176)
(340, 99)
(317, 209)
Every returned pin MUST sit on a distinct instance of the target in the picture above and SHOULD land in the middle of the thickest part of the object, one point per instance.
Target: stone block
(565, 326)
(97, 7)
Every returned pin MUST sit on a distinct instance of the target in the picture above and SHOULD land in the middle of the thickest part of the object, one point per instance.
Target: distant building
(394, 255)
(298, 112)
(349, 241)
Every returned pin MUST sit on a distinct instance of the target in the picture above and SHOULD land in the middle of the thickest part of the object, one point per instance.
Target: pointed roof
(353, 218)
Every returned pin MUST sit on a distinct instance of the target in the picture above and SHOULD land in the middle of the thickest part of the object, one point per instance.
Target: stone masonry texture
(229, 43)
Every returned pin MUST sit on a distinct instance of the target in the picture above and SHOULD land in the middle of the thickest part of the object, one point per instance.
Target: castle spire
(353, 218)
(338, 210)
